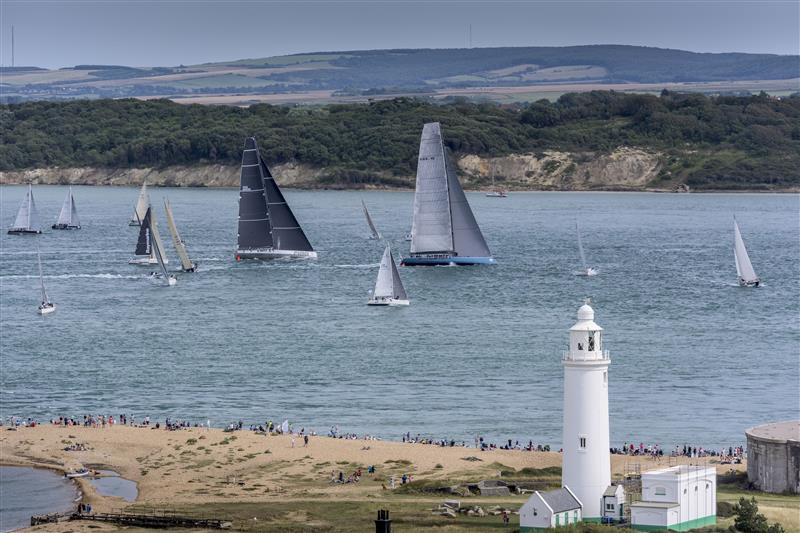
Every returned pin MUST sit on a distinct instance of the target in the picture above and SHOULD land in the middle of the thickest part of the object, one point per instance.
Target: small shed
(677, 498)
(493, 487)
(614, 502)
(545, 510)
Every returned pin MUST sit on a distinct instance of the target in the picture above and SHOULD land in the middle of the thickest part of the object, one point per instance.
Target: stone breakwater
(622, 169)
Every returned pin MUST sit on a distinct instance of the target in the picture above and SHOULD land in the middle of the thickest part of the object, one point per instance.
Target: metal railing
(597, 355)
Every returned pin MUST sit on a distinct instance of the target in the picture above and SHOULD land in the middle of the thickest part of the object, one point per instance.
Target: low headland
(600, 140)
(259, 481)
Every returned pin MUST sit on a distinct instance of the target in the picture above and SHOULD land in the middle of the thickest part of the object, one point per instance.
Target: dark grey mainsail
(254, 227)
(286, 231)
(143, 243)
(444, 230)
(468, 240)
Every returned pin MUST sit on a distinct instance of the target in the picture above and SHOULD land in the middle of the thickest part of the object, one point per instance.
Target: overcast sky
(59, 33)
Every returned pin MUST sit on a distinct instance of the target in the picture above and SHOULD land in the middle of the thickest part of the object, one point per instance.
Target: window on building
(661, 491)
(591, 342)
(609, 507)
(580, 346)
(695, 488)
(605, 378)
(574, 516)
(582, 442)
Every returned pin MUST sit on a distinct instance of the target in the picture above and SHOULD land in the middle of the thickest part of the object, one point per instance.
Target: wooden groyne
(162, 520)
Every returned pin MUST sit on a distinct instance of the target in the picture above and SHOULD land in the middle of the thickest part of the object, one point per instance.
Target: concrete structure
(773, 456)
(678, 498)
(554, 508)
(586, 468)
(614, 503)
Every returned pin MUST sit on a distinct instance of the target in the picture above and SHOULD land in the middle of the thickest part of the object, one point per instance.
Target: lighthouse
(586, 468)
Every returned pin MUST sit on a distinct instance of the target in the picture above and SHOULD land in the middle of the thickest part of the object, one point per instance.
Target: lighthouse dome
(586, 312)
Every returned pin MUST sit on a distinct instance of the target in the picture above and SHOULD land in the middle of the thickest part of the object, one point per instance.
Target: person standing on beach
(305, 441)
(292, 440)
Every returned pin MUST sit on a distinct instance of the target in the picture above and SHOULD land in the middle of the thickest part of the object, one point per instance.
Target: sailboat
(444, 231)
(180, 246)
(141, 206)
(267, 227)
(587, 270)
(27, 220)
(148, 236)
(158, 252)
(68, 218)
(46, 307)
(744, 269)
(375, 233)
(389, 289)
(495, 192)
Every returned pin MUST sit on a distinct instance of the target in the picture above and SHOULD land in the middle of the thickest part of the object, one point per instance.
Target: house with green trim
(545, 510)
(678, 498)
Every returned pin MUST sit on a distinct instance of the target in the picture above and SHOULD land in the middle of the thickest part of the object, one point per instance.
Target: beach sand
(188, 468)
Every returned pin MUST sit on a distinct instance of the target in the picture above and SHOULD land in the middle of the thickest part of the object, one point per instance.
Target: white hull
(496, 195)
(388, 302)
(588, 272)
(46, 310)
(271, 253)
(172, 281)
(753, 283)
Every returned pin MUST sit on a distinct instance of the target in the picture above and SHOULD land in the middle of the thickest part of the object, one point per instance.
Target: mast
(744, 269)
(254, 231)
(431, 228)
(41, 275)
(580, 246)
(286, 231)
(375, 233)
(180, 247)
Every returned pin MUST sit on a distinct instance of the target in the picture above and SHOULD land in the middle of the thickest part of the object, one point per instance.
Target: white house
(679, 498)
(614, 502)
(545, 510)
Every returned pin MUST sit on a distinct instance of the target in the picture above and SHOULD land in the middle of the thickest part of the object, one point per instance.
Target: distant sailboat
(587, 270)
(444, 231)
(148, 238)
(180, 246)
(141, 206)
(267, 227)
(68, 218)
(495, 192)
(389, 289)
(27, 220)
(158, 252)
(375, 233)
(744, 269)
(46, 307)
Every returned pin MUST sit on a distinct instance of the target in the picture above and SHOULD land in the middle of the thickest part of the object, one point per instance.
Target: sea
(25, 492)
(695, 358)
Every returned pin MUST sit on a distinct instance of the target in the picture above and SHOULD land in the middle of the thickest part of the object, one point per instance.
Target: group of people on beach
(731, 455)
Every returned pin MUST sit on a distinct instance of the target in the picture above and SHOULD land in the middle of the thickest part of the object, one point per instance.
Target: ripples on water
(32, 491)
(694, 357)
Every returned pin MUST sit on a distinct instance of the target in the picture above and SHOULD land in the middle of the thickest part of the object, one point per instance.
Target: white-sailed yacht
(744, 268)
(586, 269)
(389, 290)
(46, 307)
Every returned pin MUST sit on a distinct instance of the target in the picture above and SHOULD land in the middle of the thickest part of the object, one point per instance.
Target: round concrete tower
(586, 466)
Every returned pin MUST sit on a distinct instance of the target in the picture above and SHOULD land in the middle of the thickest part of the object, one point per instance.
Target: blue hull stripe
(431, 261)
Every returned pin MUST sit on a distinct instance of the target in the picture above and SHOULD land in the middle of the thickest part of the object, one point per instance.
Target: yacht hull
(389, 302)
(15, 231)
(146, 261)
(446, 261)
(270, 253)
(743, 283)
(46, 310)
(64, 226)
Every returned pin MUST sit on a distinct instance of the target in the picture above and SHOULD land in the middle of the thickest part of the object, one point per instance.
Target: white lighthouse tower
(586, 466)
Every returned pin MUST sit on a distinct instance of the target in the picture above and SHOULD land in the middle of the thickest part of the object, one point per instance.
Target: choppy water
(694, 357)
(32, 491)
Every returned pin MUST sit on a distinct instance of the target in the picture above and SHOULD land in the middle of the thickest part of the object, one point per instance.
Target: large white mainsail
(159, 254)
(180, 246)
(375, 233)
(141, 206)
(156, 242)
(27, 220)
(68, 217)
(744, 269)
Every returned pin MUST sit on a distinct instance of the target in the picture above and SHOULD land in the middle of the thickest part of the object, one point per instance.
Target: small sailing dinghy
(148, 235)
(68, 218)
(180, 246)
(46, 307)
(267, 227)
(587, 270)
(27, 221)
(141, 206)
(376, 235)
(389, 290)
(744, 269)
(444, 230)
(495, 192)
